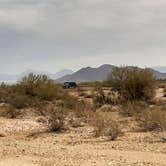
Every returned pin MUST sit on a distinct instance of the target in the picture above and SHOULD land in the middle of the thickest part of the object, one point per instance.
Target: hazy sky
(56, 34)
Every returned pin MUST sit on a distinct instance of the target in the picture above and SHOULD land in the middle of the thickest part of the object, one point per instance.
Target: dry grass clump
(57, 119)
(8, 111)
(133, 108)
(104, 125)
(153, 119)
(100, 98)
(133, 83)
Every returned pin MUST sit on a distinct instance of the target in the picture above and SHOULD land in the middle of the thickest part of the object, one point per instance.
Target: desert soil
(25, 142)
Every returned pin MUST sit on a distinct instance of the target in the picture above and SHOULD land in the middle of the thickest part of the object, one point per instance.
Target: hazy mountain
(161, 69)
(158, 74)
(61, 73)
(90, 74)
(14, 78)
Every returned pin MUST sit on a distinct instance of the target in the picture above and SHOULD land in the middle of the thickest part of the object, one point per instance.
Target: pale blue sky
(55, 34)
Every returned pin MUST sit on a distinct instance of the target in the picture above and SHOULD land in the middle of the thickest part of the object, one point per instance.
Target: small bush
(133, 83)
(153, 119)
(104, 125)
(100, 98)
(56, 121)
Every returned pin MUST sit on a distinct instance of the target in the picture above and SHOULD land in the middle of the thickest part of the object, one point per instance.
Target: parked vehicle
(68, 85)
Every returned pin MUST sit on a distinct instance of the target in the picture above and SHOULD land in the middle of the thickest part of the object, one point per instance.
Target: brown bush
(132, 108)
(104, 125)
(8, 111)
(133, 83)
(100, 98)
(56, 120)
(153, 119)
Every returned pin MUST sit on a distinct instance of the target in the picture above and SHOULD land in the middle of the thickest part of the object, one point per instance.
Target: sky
(51, 35)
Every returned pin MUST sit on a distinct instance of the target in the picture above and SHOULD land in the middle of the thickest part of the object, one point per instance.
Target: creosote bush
(104, 125)
(133, 83)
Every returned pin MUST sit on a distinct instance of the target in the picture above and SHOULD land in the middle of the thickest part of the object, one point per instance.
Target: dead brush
(132, 108)
(81, 114)
(56, 121)
(104, 125)
(9, 111)
(153, 119)
(101, 98)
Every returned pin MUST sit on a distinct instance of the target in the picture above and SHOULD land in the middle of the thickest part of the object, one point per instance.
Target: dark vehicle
(68, 85)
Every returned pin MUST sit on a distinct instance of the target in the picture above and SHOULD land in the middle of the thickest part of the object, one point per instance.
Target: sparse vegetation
(30, 91)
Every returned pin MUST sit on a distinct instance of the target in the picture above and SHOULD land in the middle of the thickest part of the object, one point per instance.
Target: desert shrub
(40, 86)
(56, 120)
(100, 98)
(153, 119)
(133, 83)
(104, 125)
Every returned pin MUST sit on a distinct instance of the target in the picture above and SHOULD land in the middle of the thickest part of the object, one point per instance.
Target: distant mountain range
(13, 78)
(161, 69)
(90, 74)
(87, 74)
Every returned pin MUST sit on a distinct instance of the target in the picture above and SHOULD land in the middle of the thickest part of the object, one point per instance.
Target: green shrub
(40, 86)
(133, 83)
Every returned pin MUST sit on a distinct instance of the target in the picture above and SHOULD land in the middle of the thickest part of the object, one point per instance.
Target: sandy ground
(26, 142)
(33, 145)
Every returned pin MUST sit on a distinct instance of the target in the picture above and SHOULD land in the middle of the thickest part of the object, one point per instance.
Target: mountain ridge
(89, 74)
